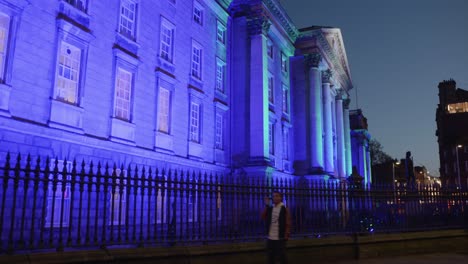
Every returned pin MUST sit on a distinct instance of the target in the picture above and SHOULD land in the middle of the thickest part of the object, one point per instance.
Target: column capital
(258, 23)
(346, 103)
(340, 94)
(312, 60)
(326, 75)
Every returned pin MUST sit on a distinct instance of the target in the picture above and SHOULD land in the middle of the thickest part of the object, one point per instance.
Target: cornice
(271, 8)
(336, 57)
(280, 14)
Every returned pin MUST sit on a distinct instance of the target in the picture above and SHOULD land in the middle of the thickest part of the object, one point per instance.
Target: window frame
(220, 84)
(58, 76)
(219, 130)
(284, 63)
(169, 107)
(195, 131)
(271, 88)
(270, 50)
(172, 28)
(130, 100)
(271, 138)
(132, 32)
(83, 9)
(201, 16)
(199, 69)
(286, 140)
(286, 100)
(220, 27)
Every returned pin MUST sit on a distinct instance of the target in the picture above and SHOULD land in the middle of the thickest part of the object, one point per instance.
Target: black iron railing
(55, 204)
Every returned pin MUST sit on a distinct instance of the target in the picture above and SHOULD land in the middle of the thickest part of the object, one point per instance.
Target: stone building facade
(219, 85)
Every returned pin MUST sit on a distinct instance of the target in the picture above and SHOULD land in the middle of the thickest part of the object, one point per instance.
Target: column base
(259, 161)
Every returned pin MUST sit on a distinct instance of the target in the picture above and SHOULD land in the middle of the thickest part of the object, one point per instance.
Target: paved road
(416, 259)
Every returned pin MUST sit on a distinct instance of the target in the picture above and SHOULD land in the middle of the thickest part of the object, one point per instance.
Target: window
(4, 32)
(127, 18)
(198, 13)
(79, 4)
(446, 168)
(220, 65)
(271, 138)
(219, 204)
(285, 143)
(192, 204)
(195, 122)
(123, 93)
(466, 165)
(270, 49)
(458, 108)
(271, 89)
(66, 87)
(285, 99)
(196, 61)
(61, 196)
(164, 97)
(167, 40)
(219, 131)
(284, 62)
(118, 203)
(221, 33)
(161, 191)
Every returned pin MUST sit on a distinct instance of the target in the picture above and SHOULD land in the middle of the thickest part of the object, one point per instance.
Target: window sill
(5, 91)
(166, 65)
(66, 116)
(122, 131)
(77, 16)
(164, 142)
(195, 149)
(127, 43)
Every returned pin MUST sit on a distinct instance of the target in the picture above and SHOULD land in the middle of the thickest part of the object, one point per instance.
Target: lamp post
(458, 166)
(393, 177)
(393, 171)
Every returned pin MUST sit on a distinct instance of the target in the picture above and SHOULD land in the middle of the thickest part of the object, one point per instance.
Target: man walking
(278, 223)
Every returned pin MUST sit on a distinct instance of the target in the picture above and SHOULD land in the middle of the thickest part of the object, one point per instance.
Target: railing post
(37, 174)
(355, 184)
(26, 180)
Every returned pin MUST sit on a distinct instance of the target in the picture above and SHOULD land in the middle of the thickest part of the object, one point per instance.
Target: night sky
(398, 52)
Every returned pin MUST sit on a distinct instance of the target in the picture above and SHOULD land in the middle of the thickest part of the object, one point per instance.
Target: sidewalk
(415, 259)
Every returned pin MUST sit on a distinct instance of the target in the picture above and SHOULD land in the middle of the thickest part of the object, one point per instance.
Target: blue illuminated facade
(228, 86)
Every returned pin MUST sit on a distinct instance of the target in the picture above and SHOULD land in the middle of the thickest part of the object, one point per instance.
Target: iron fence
(55, 204)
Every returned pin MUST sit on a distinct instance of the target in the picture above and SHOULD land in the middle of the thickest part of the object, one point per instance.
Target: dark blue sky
(398, 51)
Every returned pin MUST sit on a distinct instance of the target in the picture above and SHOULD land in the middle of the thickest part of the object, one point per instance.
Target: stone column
(362, 158)
(347, 139)
(327, 122)
(368, 163)
(315, 101)
(258, 26)
(334, 138)
(340, 136)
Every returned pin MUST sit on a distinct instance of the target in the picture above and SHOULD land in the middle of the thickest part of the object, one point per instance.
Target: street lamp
(394, 181)
(458, 165)
(393, 171)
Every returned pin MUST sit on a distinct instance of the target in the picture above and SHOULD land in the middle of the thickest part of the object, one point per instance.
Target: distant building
(452, 133)
(360, 138)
